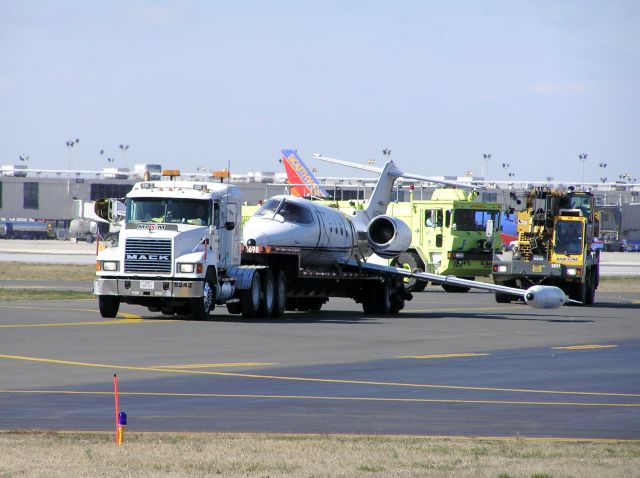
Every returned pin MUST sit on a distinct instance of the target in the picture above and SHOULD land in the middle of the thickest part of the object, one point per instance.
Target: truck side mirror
(229, 225)
(109, 209)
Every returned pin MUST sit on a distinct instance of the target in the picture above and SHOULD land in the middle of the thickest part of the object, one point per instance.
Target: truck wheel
(280, 294)
(250, 298)
(383, 299)
(378, 300)
(201, 307)
(397, 303)
(268, 292)
(420, 286)
(89, 238)
(108, 305)
(503, 298)
(456, 289)
(408, 262)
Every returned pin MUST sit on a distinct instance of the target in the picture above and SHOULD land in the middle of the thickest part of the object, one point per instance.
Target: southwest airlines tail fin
(303, 182)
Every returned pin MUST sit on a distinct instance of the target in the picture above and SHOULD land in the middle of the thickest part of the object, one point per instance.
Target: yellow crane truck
(555, 234)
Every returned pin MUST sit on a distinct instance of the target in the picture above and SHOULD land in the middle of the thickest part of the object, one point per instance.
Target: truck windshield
(568, 239)
(290, 211)
(474, 219)
(165, 210)
(583, 203)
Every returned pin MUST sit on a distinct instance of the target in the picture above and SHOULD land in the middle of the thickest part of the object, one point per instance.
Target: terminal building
(37, 196)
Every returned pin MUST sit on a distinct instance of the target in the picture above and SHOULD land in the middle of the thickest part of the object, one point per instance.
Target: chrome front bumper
(178, 289)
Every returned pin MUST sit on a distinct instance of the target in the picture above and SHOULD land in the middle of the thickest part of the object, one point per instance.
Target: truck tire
(457, 289)
(201, 307)
(412, 262)
(503, 298)
(268, 293)
(280, 294)
(378, 300)
(591, 286)
(250, 298)
(383, 299)
(89, 238)
(108, 305)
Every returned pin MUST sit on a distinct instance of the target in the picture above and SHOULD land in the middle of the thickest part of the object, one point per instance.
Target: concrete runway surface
(449, 364)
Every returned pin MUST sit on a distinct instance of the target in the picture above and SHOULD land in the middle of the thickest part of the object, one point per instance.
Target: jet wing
(537, 296)
(417, 177)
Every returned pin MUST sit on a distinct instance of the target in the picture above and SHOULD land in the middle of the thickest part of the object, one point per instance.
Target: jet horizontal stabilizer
(417, 177)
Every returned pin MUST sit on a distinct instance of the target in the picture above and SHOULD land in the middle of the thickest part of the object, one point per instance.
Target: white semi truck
(179, 252)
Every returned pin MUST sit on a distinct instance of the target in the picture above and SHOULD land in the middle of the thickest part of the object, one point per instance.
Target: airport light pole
(70, 144)
(109, 159)
(124, 148)
(506, 167)
(628, 177)
(583, 157)
(485, 157)
(603, 179)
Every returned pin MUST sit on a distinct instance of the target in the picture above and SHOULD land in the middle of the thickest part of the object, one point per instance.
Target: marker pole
(117, 400)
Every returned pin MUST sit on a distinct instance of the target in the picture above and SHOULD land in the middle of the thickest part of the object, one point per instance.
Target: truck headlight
(110, 266)
(502, 269)
(189, 268)
(571, 271)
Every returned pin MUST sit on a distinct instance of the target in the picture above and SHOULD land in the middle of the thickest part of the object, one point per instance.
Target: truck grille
(147, 255)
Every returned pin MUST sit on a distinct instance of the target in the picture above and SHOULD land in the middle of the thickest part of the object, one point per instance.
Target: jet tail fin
(381, 195)
(302, 181)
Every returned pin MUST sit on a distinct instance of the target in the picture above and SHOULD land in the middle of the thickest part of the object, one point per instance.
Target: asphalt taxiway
(449, 364)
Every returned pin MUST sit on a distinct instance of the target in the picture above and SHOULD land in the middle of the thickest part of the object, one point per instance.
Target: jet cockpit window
(474, 219)
(290, 211)
(180, 211)
(268, 208)
(568, 238)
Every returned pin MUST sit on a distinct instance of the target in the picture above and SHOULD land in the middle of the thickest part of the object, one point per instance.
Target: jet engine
(388, 236)
(544, 297)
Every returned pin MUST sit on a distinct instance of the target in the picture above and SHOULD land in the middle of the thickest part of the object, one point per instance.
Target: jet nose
(255, 237)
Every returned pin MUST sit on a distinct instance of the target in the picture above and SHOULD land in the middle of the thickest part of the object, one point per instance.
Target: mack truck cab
(179, 250)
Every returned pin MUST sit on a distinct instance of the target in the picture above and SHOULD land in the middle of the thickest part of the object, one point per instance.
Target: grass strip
(42, 294)
(71, 454)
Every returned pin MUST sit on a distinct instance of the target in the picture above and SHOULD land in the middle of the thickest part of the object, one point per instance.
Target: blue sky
(199, 83)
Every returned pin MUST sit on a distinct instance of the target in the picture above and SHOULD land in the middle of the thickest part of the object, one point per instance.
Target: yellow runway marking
(457, 309)
(438, 356)
(128, 319)
(31, 307)
(312, 379)
(215, 365)
(584, 347)
(326, 397)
